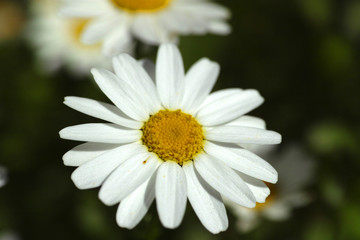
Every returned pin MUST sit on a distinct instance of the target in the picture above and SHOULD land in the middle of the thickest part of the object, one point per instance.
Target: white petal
(98, 28)
(257, 187)
(182, 23)
(229, 107)
(127, 177)
(175, 22)
(205, 9)
(130, 71)
(199, 81)
(195, 17)
(220, 95)
(235, 134)
(170, 78)
(224, 180)
(149, 67)
(248, 121)
(244, 161)
(170, 192)
(219, 27)
(83, 9)
(100, 132)
(118, 41)
(120, 93)
(102, 111)
(134, 207)
(86, 152)
(92, 173)
(206, 202)
(149, 30)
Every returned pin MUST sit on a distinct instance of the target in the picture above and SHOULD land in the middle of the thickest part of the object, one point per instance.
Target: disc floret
(173, 135)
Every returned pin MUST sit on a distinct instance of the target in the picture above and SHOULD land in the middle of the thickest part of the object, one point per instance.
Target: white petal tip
(267, 192)
(65, 133)
(124, 224)
(79, 182)
(272, 138)
(274, 179)
(251, 205)
(217, 231)
(262, 100)
(263, 199)
(94, 70)
(214, 64)
(69, 99)
(222, 30)
(67, 163)
(106, 200)
(62, 133)
(66, 159)
(170, 225)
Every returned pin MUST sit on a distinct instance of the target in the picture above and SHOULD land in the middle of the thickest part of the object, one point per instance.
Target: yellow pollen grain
(173, 135)
(140, 5)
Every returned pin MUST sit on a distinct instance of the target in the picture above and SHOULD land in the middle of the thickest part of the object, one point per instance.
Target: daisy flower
(117, 22)
(169, 140)
(57, 40)
(296, 171)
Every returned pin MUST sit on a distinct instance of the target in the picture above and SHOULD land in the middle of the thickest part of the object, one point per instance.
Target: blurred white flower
(117, 22)
(3, 176)
(57, 40)
(173, 141)
(295, 170)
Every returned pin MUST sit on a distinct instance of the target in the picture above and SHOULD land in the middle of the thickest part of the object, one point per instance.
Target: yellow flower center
(140, 5)
(269, 200)
(173, 135)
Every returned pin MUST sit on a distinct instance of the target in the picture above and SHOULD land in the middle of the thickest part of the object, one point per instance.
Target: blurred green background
(303, 56)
